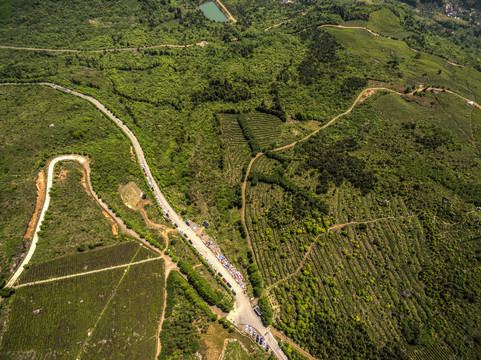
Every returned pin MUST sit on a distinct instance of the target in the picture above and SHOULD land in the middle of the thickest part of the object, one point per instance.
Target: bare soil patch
(130, 194)
(62, 175)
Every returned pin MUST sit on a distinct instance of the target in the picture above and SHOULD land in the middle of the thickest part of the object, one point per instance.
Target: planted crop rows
(237, 151)
(86, 261)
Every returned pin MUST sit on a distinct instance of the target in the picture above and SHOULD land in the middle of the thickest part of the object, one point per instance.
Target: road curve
(33, 246)
(242, 313)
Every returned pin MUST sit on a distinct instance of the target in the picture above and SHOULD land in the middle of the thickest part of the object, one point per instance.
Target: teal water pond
(212, 12)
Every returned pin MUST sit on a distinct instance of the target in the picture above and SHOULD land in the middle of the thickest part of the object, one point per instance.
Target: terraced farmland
(237, 151)
(86, 261)
(378, 257)
(266, 128)
(110, 312)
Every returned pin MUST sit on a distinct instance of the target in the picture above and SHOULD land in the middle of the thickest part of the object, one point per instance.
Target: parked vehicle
(250, 329)
(246, 329)
(224, 280)
(264, 345)
(257, 339)
(233, 292)
(229, 285)
(220, 274)
(190, 241)
(254, 334)
(267, 348)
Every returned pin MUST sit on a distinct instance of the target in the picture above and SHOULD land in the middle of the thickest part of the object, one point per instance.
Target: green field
(76, 315)
(99, 258)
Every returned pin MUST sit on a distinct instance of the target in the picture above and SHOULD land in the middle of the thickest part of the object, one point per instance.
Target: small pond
(212, 12)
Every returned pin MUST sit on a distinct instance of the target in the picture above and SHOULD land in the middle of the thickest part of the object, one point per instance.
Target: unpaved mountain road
(33, 246)
(202, 43)
(242, 313)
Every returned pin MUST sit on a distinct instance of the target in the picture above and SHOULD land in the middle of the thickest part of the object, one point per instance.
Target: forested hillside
(333, 146)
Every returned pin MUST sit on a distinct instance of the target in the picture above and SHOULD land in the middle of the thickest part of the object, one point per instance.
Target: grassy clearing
(385, 23)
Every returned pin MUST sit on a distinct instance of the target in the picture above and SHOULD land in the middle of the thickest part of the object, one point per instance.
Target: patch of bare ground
(130, 194)
(132, 155)
(62, 175)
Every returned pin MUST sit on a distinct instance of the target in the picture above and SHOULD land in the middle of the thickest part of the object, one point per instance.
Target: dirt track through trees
(202, 43)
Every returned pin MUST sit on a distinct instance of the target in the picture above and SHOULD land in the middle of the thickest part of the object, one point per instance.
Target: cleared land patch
(130, 194)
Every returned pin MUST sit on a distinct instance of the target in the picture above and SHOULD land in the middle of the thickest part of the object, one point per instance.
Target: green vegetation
(86, 261)
(179, 337)
(78, 301)
(373, 272)
(88, 306)
(266, 311)
(235, 351)
(38, 123)
(209, 295)
(130, 322)
(248, 134)
(366, 232)
(59, 235)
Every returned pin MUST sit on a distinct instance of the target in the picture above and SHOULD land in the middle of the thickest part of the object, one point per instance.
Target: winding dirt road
(229, 15)
(361, 97)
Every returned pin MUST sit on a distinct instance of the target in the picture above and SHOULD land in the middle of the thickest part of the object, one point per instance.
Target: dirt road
(87, 272)
(202, 43)
(229, 15)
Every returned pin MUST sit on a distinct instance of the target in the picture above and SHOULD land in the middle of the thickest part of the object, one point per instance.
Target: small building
(257, 309)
